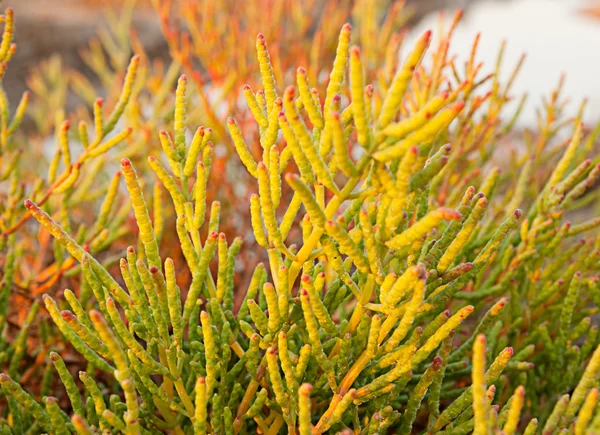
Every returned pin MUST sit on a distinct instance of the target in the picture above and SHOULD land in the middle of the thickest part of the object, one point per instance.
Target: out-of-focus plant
(57, 170)
(214, 41)
(114, 107)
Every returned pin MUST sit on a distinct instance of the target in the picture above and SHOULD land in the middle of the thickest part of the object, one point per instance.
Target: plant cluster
(407, 284)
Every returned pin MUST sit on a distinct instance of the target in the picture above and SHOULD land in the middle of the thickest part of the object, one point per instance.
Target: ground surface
(44, 27)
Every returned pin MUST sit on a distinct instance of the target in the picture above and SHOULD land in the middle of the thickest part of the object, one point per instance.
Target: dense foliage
(387, 276)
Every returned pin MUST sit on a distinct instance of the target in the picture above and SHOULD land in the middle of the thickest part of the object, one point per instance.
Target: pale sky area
(556, 36)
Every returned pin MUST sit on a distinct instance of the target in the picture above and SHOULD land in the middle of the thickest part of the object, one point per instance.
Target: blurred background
(558, 36)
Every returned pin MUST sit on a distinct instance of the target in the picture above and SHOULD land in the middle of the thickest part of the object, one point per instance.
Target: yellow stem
(167, 385)
(332, 405)
(357, 313)
(185, 398)
(276, 425)
(244, 405)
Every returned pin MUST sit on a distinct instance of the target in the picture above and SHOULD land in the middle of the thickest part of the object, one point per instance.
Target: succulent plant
(401, 288)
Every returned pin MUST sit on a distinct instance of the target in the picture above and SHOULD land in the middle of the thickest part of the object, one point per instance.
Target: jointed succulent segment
(353, 323)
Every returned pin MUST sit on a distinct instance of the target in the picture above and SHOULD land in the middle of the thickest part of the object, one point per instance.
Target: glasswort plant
(403, 290)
